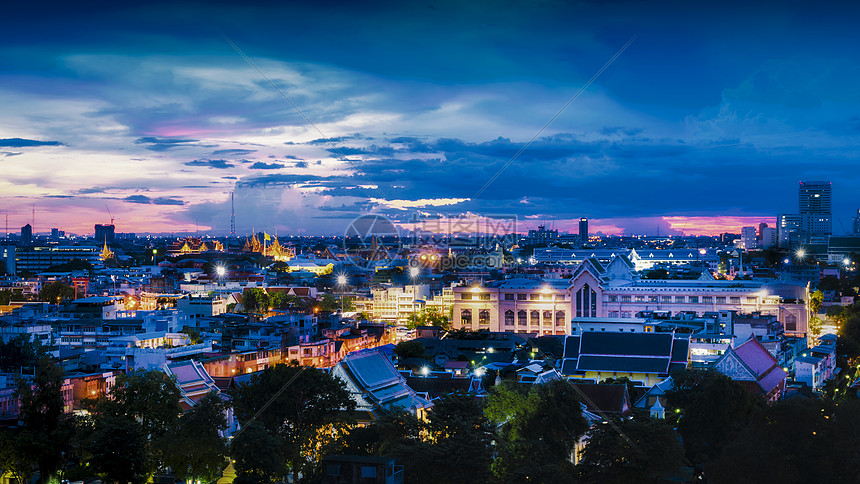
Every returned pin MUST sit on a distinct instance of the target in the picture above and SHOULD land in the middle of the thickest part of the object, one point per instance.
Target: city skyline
(703, 124)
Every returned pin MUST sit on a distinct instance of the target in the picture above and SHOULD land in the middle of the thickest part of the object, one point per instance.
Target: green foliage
(849, 332)
(255, 300)
(118, 450)
(45, 432)
(711, 411)
(428, 317)
(314, 401)
(539, 427)
(193, 334)
(646, 451)
(331, 303)
(461, 434)
(794, 441)
(815, 325)
(20, 352)
(816, 301)
(409, 349)
(194, 449)
(56, 292)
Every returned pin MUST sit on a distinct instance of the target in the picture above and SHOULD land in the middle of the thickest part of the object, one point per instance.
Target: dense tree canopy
(56, 292)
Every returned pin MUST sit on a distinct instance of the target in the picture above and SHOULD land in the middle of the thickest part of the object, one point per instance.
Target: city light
(341, 280)
(413, 272)
(800, 253)
(220, 271)
(425, 370)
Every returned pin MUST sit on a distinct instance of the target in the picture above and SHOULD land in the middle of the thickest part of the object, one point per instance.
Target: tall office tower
(748, 236)
(788, 226)
(27, 234)
(815, 202)
(105, 233)
(857, 223)
(583, 230)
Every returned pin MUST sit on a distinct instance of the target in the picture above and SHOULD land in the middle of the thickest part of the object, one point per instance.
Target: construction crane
(111, 215)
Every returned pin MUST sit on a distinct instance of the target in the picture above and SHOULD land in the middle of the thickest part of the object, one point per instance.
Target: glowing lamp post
(341, 282)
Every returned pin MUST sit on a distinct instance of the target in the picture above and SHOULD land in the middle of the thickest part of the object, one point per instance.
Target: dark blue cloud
(154, 143)
(23, 142)
(233, 152)
(142, 199)
(220, 164)
(266, 166)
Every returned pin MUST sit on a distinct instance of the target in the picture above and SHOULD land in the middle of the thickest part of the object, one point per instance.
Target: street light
(800, 254)
(341, 281)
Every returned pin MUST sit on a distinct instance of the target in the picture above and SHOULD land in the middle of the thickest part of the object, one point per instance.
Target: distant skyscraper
(815, 203)
(789, 227)
(583, 229)
(748, 236)
(27, 234)
(105, 233)
(857, 223)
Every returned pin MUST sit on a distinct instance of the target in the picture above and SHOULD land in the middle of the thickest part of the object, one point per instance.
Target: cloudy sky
(706, 122)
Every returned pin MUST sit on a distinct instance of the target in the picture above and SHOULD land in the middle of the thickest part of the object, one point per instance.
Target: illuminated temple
(275, 250)
(194, 245)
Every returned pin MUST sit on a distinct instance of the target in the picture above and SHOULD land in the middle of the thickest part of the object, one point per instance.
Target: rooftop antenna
(232, 216)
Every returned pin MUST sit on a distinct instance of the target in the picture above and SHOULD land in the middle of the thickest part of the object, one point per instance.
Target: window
(546, 297)
(307, 352)
(522, 297)
(721, 299)
(466, 317)
(509, 318)
(625, 298)
(791, 322)
(640, 298)
(559, 318)
(735, 300)
(547, 317)
(560, 297)
(707, 299)
(694, 299)
(653, 298)
(332, 470)
(666, 299)
(466, 297)
(613, 314)
(751, 300)
(484, 317)
(586, 302)
(521, 317)
(485, 297)
(534, 317)
(680, 299)
(613, 298)
(509, 297)
(534, 297)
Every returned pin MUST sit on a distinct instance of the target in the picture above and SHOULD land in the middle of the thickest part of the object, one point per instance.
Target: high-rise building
(748, 237)
(789, 226)
(583, 229)
(105, 233)
(857, 223)
(815, 203)
(27, 234)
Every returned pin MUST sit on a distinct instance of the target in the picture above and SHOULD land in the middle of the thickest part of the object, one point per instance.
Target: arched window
(586, 302)
(559, 318)
(466, 317)
(547, 317)
(790, 322)
(521, 317)
(484, 317)
(534, 317)
(509, 317)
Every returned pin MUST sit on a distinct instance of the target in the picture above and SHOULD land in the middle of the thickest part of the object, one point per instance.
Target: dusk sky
(705, 123)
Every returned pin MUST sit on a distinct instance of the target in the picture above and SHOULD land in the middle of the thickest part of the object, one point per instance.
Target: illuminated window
(466, 317)
(509, 317)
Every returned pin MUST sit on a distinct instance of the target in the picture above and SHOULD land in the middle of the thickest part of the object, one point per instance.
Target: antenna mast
(232, 217)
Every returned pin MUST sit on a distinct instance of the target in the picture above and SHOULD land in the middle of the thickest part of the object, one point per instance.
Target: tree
(255, 300)
(461, 435)
(646, 451)
(709, 410)
(19, 352)
(195, 449)
(428, 317)
(309, 413)
(41, 412)
(72, 265)
(118, 450)
(257, 453)
(56, 292)
(816, 300)
(147, 399)
(409, 349)
(539, 427)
